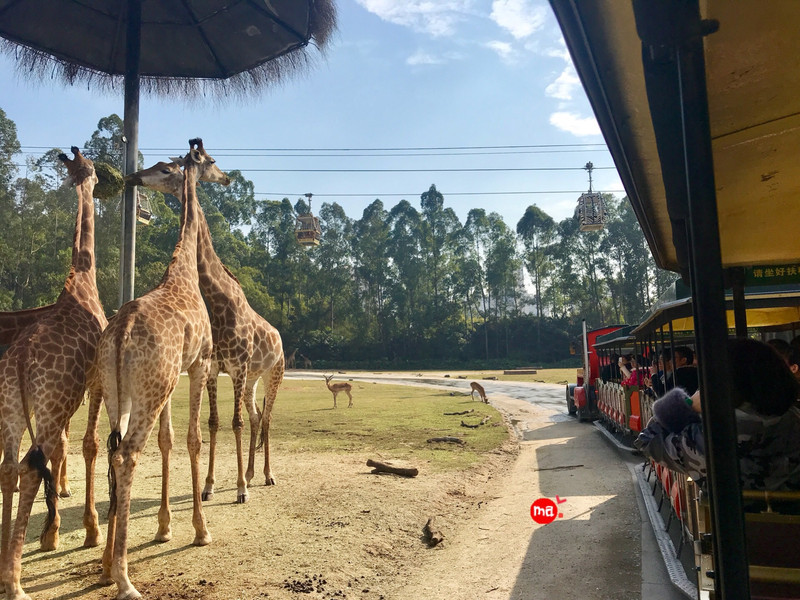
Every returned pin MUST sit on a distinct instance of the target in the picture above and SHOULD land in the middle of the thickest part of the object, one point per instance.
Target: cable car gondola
(591, 207)
(143, 211)
(307, 230)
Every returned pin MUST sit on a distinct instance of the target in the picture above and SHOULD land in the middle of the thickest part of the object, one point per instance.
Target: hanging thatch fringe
(33, 64)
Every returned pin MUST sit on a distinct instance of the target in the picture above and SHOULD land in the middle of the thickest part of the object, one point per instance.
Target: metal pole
(131, 130)
(736, 275)
(731, 577)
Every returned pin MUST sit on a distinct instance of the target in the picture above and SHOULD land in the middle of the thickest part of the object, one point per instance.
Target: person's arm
(696, 406)
(624, 370)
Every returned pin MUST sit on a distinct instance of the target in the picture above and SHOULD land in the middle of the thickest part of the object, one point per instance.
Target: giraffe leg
(213, 427)
(9, 476)
(91, 443)
(60, 471)
(239, 378)
(166, 436)
(198, 375)
(31, 470)
(275, 380)
(123, 462)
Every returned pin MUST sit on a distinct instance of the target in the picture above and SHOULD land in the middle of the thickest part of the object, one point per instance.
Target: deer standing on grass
(477, 387)
(339, 387)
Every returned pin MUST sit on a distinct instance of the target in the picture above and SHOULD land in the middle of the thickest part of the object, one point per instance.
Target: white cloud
(575, 124)
(503, 49)
(519, 17)
(564, 86)
(435, 17)
(423, 58)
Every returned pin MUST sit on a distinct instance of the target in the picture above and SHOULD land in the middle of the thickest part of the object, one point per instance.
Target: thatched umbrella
(188, 48)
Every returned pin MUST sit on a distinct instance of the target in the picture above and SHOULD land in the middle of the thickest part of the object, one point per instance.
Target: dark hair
(780, 346)
(788, 352)
(686, 353)
(761, 377)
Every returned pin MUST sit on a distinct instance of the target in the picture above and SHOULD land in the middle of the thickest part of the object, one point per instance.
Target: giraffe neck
(83, 241)
(184, 258)
(218, 284)
(82, 279)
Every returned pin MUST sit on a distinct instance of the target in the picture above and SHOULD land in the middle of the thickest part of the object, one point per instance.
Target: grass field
(387, 421)
(556, 376)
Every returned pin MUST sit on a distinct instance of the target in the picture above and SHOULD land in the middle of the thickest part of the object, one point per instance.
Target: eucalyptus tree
(503, 275)
(536, 228)
(273, 228)
(438, 227)
(9, 148)
(333, 279)
(405, 252)
(478, 233)
(372, 269)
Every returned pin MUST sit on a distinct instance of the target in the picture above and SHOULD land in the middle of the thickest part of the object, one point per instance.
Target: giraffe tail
(261, 418)
(112, 444)
(115, 437)
(38, 461)
(22, 379)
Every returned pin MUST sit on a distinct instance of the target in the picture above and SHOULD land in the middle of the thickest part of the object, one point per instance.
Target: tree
(536, 228)
(373, 271)
(9, 147)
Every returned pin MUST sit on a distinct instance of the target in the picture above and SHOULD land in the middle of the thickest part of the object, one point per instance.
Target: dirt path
(331, 530)
(591, 552)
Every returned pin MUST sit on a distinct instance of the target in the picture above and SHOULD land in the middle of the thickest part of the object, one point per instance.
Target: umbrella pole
(131, 130)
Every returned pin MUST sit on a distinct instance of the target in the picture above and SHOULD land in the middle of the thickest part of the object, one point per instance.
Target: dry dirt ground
(329, 529)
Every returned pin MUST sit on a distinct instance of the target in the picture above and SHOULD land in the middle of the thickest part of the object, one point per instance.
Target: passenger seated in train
(631, 371)
(767, 422)
(610, 371)
(680, 372)
(789, 353)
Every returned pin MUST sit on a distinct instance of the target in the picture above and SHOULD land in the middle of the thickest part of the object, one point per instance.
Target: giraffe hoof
(48, 543)
(105, 580)
(270, 481)
(206, 496)
(65, 493)
(93, 540)
(164, 536)
(202, 539)
(129, 594)
(242, 499)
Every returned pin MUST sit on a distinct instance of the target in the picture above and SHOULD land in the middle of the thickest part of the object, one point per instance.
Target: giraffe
(290, 360)
(246, 346)
(47, 370)
(140, 357)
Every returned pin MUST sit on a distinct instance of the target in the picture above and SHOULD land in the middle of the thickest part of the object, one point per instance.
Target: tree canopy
(403, 285)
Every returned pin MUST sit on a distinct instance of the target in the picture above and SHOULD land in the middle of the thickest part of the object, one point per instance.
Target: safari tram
(699, 104)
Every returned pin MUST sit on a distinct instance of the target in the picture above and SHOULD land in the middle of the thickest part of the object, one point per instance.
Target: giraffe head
(167, 177)
(79, 168)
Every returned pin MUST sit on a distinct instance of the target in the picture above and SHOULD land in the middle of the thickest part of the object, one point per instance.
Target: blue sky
(397, 74)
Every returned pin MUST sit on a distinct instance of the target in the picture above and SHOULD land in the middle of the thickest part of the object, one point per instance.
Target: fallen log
(452, 440)
(483, 422)
(463, 412)
(433, 535)
(379, 467)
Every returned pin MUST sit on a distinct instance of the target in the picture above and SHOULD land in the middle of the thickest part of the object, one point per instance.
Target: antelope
(339, 387)
(477, 387)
